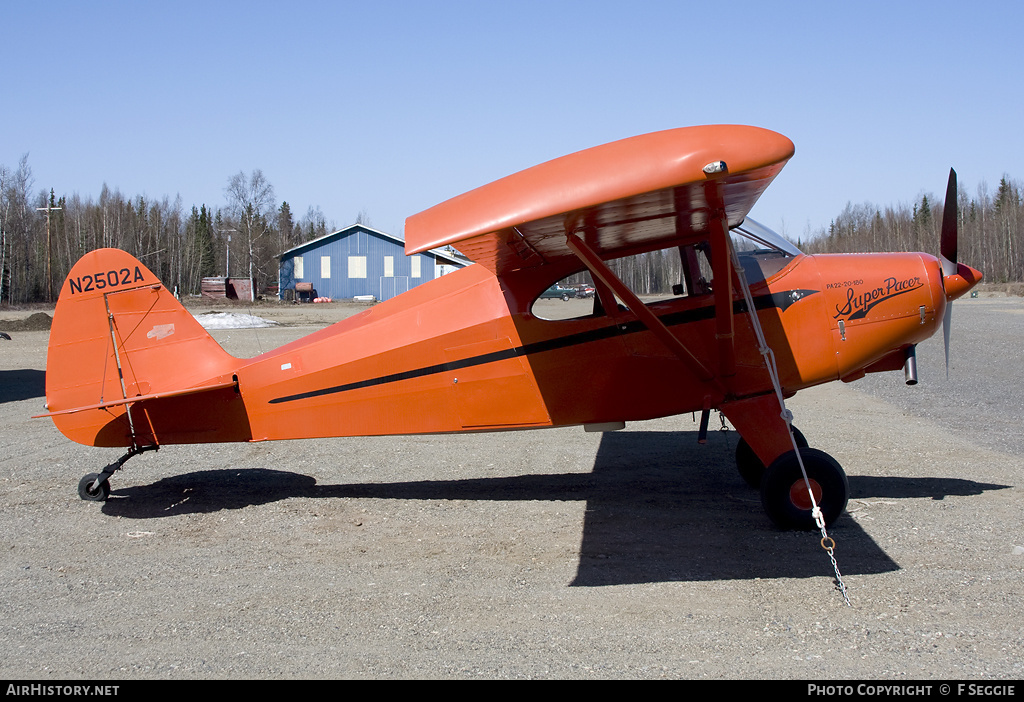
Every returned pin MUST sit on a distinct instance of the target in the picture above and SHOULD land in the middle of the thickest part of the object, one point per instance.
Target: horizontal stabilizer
(141, 398)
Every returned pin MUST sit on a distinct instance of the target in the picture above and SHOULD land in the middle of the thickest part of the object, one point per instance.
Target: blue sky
(393, 106)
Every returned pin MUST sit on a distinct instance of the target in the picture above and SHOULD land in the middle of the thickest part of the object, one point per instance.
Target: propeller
(947, 249)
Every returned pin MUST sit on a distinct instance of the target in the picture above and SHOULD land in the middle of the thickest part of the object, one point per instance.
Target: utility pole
(49, 275)
(227, 249)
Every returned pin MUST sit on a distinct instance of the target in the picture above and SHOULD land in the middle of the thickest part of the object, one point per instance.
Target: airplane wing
(629, 196)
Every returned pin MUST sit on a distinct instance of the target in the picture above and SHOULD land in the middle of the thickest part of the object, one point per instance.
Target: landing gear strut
(95, 487)
(750, 466)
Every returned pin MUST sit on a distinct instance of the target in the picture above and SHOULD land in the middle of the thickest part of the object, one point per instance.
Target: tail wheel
(784, 492)
(750, 466)
(87, 489)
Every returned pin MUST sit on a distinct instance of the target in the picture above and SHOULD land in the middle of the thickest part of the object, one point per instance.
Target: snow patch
(233, 320)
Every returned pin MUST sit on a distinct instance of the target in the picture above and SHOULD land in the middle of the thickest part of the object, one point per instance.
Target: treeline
(990, 226)
(42, 234)
(180, 244)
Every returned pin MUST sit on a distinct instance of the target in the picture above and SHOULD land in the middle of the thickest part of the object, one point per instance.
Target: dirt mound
(40, 321)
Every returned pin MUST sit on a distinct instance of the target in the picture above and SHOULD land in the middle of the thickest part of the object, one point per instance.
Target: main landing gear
(95, 487)
(784, 490)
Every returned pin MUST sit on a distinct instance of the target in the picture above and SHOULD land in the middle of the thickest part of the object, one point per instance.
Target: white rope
(787, 416)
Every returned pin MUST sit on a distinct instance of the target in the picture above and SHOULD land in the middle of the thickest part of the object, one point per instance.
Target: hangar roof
(456, 258)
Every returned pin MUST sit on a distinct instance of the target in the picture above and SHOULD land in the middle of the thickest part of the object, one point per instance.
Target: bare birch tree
(250, 201)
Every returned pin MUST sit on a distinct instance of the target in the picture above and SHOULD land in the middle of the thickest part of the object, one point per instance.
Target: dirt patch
(39, 321)
(999, 289)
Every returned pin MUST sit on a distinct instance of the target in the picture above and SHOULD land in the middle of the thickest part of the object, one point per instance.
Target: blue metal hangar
(358, 261)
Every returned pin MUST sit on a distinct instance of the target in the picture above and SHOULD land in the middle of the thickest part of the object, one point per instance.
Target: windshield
(760, 234)
(762, 252)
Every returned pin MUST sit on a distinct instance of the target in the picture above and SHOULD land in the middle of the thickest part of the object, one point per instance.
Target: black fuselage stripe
(632, 327)
(405, 375)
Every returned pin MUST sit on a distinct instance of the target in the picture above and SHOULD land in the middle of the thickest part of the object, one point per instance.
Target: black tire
(750, 466)
(565, 297)
(97, 494)
(784, 493)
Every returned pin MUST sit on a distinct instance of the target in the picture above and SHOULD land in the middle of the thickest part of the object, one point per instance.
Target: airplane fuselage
(462, 354)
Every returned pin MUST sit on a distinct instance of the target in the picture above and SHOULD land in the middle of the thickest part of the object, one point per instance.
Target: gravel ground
(544, 554)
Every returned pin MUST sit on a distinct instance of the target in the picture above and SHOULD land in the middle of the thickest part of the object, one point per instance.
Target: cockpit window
(572, 297)
(664, 275)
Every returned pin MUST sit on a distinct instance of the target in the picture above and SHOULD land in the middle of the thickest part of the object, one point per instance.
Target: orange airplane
(750, 322)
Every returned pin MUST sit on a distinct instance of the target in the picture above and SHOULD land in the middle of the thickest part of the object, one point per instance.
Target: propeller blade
(948, 244)
(946, 319)
(947, 249)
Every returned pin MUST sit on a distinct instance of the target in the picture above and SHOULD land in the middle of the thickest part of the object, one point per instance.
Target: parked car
(584, 290)
(558, 291)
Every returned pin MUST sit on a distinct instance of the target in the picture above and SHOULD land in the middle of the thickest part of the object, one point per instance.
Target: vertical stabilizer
(128, 365)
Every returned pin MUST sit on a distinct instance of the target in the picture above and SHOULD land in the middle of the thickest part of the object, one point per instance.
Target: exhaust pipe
(910, 364)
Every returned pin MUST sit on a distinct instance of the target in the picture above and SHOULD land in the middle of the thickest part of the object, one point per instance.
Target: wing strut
(722, 272)
(601, 271)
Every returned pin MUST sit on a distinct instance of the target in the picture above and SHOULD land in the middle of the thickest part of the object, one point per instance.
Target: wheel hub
(799, 497)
